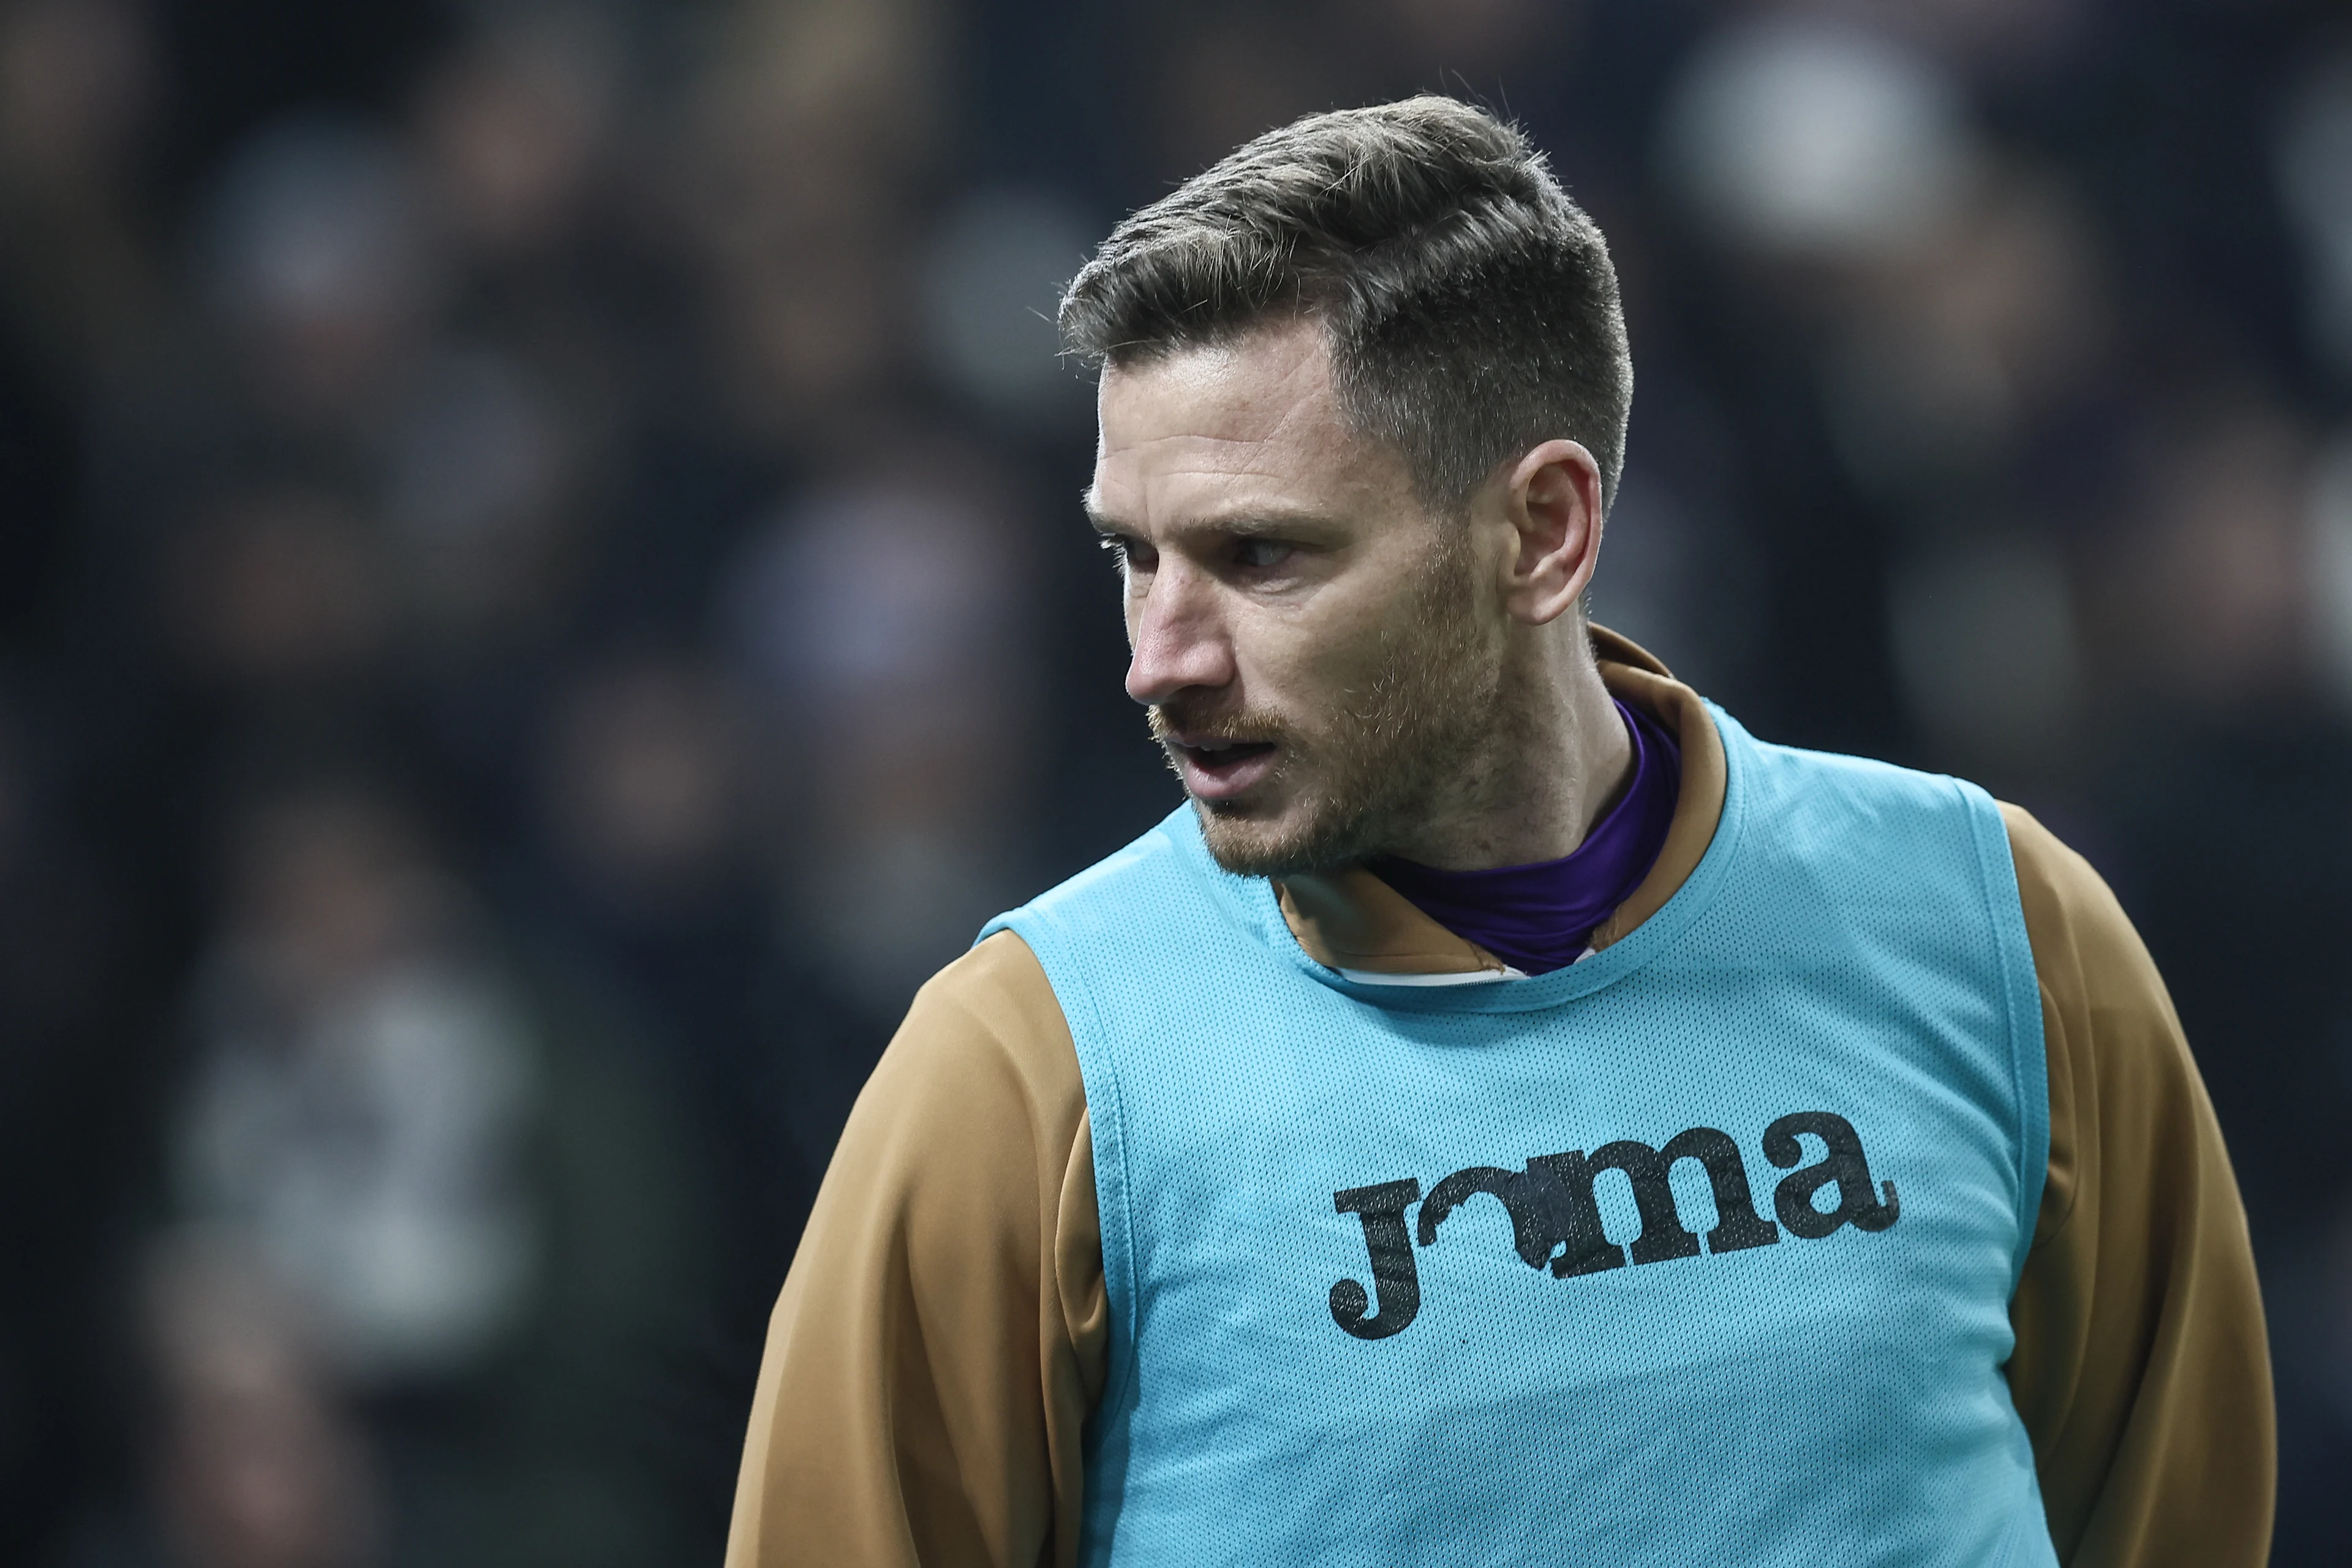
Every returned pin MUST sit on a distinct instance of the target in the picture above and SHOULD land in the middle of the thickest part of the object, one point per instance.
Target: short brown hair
(1470, 306)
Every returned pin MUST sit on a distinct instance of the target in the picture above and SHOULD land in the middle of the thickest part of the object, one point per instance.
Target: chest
(1684, 1165)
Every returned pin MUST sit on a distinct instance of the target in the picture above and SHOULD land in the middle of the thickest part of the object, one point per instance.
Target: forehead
(1249, 426)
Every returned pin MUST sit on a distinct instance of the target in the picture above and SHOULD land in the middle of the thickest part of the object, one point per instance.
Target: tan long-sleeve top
(943, 1334)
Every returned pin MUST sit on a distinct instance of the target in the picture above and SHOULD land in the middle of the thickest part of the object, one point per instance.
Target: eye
(1258, 554)
(1127, 554)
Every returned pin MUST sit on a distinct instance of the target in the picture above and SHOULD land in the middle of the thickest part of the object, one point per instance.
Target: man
(1510, 1115)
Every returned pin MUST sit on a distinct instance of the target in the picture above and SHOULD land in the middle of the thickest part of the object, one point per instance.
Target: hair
(1469, 305)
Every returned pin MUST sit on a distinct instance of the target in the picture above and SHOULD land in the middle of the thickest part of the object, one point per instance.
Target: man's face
(1317, 656)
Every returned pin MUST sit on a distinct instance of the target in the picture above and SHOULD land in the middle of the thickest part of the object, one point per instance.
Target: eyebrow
(1237, 525)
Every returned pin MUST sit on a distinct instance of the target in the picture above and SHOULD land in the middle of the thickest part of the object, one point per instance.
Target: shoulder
(984, 1058)
(1857, 822)
(2124, 1089)
(992, 1012)
(2085, 950)
(1831, 785)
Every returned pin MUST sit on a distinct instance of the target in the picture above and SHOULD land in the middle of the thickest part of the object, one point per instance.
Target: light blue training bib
(1699, 1250)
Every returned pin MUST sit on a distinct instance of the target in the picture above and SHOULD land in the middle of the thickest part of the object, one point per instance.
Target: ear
(1551, 498)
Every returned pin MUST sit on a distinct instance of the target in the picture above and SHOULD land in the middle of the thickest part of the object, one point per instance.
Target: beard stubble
(1397, 739)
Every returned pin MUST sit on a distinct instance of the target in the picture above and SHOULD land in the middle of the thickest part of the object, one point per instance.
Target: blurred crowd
(541, 594)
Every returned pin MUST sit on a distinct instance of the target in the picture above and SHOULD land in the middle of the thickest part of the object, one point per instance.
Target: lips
(1220, 768)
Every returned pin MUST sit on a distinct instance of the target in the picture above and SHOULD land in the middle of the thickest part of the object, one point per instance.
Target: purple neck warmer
(1539, 918)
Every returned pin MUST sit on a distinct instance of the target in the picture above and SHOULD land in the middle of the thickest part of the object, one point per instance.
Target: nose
(1177, 639)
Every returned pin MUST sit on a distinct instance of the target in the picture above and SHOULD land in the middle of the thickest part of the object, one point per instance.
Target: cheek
(1304, 670)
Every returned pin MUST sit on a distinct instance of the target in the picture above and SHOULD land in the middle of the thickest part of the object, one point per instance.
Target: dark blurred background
(541, 593)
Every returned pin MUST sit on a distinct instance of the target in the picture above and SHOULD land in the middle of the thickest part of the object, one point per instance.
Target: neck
(1555, 757)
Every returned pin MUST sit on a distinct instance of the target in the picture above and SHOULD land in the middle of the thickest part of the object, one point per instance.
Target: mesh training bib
(1699, 1250)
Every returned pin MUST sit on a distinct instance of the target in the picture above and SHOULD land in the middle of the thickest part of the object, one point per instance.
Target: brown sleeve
(2142, 1371)
(941, 1334)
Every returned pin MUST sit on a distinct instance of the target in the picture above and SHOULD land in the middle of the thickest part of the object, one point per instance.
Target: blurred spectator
(2208, 600)
(653, 883)
(1954, 380)
(77, 84)
(260, 1467)
(810, 135)
(882, 622)
(515, 127)
(992, 277)
(481, 496)
(276, 589)
(418, 1197)
(322, 271)
(1959, 355)
(80, 287)
(496, 489)
(365, 1083)
(647, 790)
(2314, 171)
(1807, 136)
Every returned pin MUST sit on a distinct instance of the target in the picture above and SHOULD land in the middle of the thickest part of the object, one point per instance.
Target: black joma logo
(1555, 1222)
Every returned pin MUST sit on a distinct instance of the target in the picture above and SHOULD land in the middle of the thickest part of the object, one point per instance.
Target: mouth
(1220, 770)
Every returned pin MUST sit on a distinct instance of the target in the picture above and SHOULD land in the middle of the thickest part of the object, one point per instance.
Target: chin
(1292, 843)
